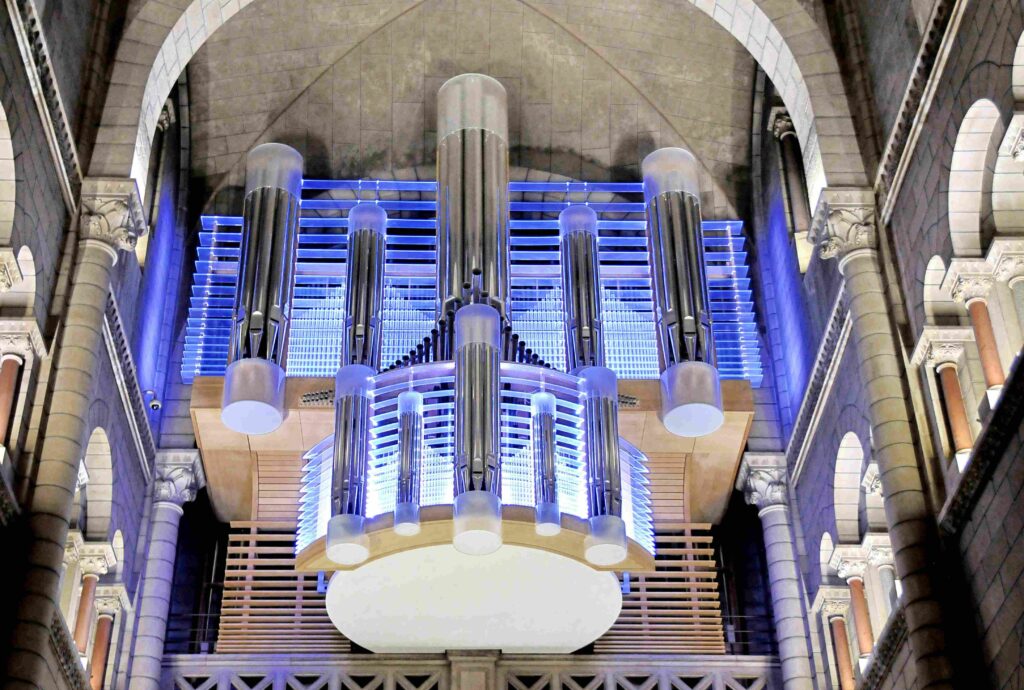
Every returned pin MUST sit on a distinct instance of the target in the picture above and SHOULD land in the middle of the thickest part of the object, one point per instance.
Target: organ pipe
(346, 534)
(254, 383)
(542, 441)
(581, 287)
(410, 458)
(367, 227)
(690, 393)
(472, 198)
(605, 543)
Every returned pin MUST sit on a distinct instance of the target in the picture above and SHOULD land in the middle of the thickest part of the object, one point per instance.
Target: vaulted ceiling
(592, 87)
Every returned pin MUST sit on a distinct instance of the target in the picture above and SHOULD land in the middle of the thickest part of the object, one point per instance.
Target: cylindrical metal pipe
(606, 542)
(364, 289)
(690, 393)
(472, 194)
(346, 537)
(477, 399)
(410, 452)
(253, 400)
(581, 287)
(545, 471)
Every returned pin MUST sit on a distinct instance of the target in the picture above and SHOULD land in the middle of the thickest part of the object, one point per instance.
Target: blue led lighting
(318, 307)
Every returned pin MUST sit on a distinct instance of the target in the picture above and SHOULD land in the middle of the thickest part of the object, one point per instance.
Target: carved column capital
(111, 600)
(835, 607)
(845, 223)
(944, 353)
(880, 555)
(179, 475)
(940, 344)
(10, 271)
(780, 124)
(762, 479)
(872, 481)
(73, 547)
(111, 213)
(849, 561)
(96, 558)
(970, 287)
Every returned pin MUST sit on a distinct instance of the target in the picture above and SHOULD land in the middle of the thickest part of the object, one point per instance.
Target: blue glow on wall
(536, 313)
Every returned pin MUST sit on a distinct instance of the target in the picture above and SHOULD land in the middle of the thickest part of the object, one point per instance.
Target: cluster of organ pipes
(473, 333)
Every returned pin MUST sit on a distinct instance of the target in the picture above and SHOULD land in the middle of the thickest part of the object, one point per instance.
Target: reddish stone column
(9, 371)
(956, 410)
(985, 336)
(85, 605)
(841, 649)
(100, 650)
(861, 617)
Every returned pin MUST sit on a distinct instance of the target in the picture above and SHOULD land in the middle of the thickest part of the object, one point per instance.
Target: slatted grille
(676, 609)
(268, 607)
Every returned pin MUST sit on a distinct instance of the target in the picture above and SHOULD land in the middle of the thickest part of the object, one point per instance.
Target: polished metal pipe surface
(353, 390)
(581, 287)
(410, 447)
(542, 440)
(477, 399)
(364, 291)
(604, 473)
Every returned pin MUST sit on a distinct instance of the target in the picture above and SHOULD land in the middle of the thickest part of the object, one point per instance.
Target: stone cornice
(939, 344)
(56, 127)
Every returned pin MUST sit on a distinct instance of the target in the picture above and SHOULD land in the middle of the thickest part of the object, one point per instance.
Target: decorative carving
(872, 480)
(96, 558)
(179, 475)
(10, 271)
(847, 228)
(944, 353)
(849, 569)
(880, 555)
(19, 344)
(762, 479)
(970, 287)
(938, 337)
(112, 213)
(110, 600)
(780, 124)
(64, 650)
(1010, 266)
(166, 117)
(1017, 147)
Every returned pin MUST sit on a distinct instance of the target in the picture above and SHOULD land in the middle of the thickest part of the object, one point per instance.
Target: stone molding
(849, 561)
(967, 279)
(35, 55)
(179, 475)
(22, 337)
(64, 649)
(96, 558)
(111, 212)
(111, 600)
(831, 600)
(940, 344)
(887, 646)
(73, 546)
(763, 480)
(844, 222)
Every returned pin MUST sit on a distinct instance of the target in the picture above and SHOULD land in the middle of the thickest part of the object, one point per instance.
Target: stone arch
(1008, 179)
(99, 490)
(117, 544)
(971, 224)
(1017, 75)
(939, 307)
(157, 45)
(846, 488)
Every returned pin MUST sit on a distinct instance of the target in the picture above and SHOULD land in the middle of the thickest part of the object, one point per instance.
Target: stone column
(110, 217)
(762, 479)
(845, 229)
(835, 612)
(881, 558)
(108, 605)
(853, 573)
(781, 126)
(179, 475)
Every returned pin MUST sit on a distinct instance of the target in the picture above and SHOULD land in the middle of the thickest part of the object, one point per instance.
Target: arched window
(971, 223)
(847, 490)
(99, 493)
(7, 178)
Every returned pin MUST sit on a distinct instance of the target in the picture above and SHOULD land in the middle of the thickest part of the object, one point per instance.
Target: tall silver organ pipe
(410, 459)
(346, 534)
(367, 229)
(606, 541)
(477, 429)
(254, 383)
(581, 287)
(691, 398)
(542, 440)
(472, 194)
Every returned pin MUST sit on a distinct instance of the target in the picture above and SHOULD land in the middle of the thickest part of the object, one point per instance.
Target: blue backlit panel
(536, 313)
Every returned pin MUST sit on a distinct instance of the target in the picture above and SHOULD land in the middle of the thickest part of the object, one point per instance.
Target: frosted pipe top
(472, 101)
(477, 323)
(670, 170)
(368, 216)
(577, 217)
(274, 165)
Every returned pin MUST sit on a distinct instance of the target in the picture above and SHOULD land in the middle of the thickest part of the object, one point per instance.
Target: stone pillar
(762, 479)
(108, 605)
(840, 645)
(10, 367)
(110, 217)
(854, 576)
(1016, 285)
(781, 126)
(845, 229)
(473, 670)
(94, 560)
(881, 558)
(973, 291)
(179, 474)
